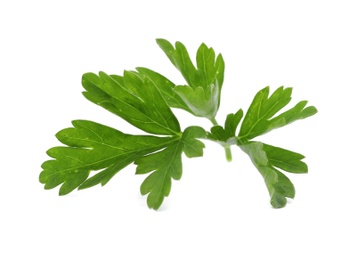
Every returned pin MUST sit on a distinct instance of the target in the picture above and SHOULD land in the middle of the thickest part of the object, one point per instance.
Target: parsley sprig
(144, 98)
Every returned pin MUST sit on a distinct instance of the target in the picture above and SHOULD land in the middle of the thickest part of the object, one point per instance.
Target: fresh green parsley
(144, 98)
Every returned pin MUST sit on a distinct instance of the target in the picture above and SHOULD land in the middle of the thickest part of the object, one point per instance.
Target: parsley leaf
(166, 165)
(144, 98)
(92, 146)
(202, 94)
(224, 134)
(166, 87)
(134, 98)
(285, 159)
(258, 119)
(267, 159)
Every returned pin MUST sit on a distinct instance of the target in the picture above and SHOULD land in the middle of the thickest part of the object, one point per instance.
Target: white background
(218, 210)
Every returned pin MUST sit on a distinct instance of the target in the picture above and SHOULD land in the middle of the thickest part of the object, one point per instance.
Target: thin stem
(228, 153)
(213, 121)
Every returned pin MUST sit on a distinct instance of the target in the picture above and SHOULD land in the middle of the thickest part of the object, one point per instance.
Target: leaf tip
(278, 201)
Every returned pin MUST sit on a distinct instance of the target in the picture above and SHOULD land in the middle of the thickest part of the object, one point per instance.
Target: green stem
(213, 121)
(228, 153)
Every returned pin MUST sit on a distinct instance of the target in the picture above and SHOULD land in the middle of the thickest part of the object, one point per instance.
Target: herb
(144, 98)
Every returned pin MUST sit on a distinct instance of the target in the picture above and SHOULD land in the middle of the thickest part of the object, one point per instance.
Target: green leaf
(227, 135)
(166, 87)
(166, 165)
(202, 94)
(258, 119)
(278, 185)
(284, 159)
(232, 121)
(219, 134)
(93, 153)
(202, 101)
(193, 147)
(134, 98)
(90, 147)
(106, 175)
(210, 69)
(180, 58)
(299, 111)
